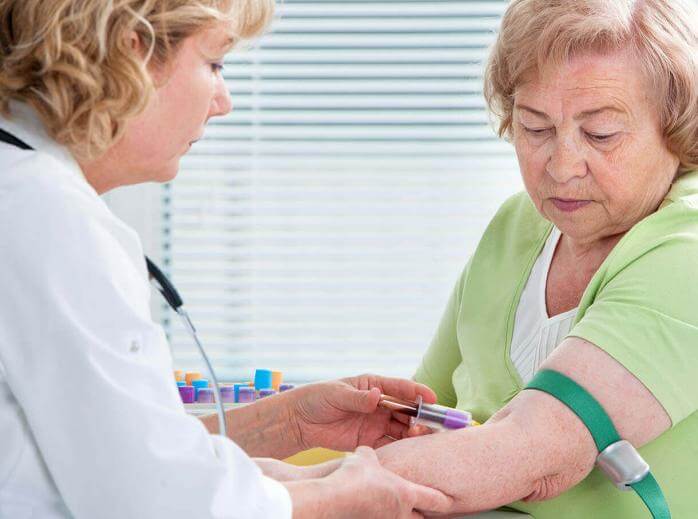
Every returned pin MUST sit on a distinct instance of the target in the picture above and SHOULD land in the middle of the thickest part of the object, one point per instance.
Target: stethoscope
(169, 292)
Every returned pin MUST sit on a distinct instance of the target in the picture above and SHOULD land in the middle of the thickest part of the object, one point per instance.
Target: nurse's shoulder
(49, 214)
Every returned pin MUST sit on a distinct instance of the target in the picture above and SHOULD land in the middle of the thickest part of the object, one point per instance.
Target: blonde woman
(97, 94)
(592, 272)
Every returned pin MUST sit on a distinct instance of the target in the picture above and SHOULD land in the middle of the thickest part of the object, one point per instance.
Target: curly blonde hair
(73, 62)
(662, 33)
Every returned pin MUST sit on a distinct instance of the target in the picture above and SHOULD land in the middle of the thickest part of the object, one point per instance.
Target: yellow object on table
(314, 457)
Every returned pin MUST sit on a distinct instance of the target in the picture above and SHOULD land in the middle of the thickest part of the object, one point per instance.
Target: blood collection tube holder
(448, 419)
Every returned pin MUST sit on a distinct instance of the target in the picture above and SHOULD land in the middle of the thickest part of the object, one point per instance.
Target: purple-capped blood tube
(187, 394)
(246, 395)
(228, 394)
(432, 415)
(263, 393)
(441, 417)
(206, 396)
(456, 419)
(285, 387)
(198, 384)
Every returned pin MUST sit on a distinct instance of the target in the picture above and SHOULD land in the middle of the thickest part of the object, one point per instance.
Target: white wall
(141, 208)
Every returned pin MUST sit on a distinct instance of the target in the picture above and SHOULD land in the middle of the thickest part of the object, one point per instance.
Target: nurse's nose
(222, 103)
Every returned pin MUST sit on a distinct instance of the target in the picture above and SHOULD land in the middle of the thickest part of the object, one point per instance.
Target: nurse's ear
(134, 44)
(158, 61)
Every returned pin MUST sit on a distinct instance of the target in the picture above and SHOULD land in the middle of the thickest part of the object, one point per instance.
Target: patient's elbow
(549, 487)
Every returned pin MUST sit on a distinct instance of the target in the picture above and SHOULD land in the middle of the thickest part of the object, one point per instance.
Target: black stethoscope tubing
(169, 292)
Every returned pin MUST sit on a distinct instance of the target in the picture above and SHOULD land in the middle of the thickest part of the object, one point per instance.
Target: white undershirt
(535, 334)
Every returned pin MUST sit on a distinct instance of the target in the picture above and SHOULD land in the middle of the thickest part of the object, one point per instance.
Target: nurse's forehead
(216, 40)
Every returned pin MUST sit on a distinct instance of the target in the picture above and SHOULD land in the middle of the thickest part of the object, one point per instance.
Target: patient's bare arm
(535, 447)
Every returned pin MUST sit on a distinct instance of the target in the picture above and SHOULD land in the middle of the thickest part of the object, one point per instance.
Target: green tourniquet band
(588, 409)
(581, 402)
(651, 493)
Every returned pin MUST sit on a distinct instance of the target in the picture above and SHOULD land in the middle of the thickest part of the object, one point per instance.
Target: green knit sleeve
(443, 356)
(644, 311)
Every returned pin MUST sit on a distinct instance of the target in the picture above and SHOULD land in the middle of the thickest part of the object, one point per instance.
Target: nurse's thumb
(426, 499)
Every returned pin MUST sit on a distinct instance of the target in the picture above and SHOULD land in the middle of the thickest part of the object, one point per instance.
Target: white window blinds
(319, 228)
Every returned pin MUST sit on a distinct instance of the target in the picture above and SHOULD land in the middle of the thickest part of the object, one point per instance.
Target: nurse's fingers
(395, 431)
(405, 389)
(429, 499)
(418, 430)
(399, 430)
(396, 387)
(400, 417)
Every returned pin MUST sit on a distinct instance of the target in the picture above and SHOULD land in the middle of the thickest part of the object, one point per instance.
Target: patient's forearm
(478, 467)
(481, 468)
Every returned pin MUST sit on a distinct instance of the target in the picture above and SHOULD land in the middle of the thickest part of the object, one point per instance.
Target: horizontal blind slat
(319, 227)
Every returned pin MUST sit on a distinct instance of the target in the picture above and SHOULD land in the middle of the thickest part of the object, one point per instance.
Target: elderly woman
(591, 272)
(97, 94)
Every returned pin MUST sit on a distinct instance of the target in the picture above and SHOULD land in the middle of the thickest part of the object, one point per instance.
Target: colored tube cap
(227, 394)
(199, 384)
(246, 395)
(179, 375)
(181, 383)
(262, 379)
(236, 388)
(276, 379)
(266, 392)
(191, 376)
(205, 396)
(187, 394)
(285, 387)
(456, 419)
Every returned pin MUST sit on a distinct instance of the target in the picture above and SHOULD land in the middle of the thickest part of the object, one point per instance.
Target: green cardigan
(641, 307)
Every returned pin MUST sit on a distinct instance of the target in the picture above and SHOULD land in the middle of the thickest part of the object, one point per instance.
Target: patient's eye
(537, 132)
(600, 138)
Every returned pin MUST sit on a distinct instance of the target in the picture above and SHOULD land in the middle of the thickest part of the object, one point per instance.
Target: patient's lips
(569, 205)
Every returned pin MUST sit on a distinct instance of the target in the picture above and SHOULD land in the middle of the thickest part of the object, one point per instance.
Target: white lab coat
(91, 424)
